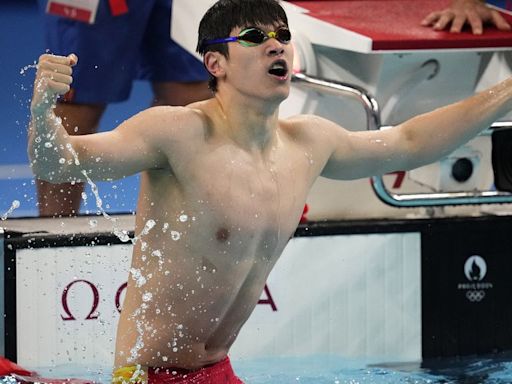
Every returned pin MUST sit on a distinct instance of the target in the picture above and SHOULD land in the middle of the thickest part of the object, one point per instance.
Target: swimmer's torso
(222, 217)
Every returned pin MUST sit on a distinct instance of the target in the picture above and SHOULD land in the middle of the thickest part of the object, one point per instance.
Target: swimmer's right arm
(46, 134)
(58, 157)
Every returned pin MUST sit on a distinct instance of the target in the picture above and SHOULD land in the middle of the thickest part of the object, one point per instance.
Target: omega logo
(93, 315)
(266, 299)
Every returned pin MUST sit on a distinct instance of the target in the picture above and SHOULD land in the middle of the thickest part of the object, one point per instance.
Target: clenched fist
(53, 78)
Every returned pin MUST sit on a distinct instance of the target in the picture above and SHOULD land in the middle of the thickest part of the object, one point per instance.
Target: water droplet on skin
(148, 227)
(378, 141)
(183, 218)
(175, 235)
(148, 296)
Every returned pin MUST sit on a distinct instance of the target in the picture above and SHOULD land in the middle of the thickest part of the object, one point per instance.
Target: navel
(222, 235)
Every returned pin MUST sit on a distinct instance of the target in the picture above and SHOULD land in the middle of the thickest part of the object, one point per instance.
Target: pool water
(495, 369)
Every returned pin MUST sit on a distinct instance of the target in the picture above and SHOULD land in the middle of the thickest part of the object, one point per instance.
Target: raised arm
(473, 12)
(58, 157)
(416, 142)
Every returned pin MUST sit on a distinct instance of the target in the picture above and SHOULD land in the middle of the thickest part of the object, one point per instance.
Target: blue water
(331, 369)
(496, 369)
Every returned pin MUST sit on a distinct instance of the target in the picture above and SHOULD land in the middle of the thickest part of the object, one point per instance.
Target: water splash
(137, 275)
(139, 344)
(24, 69)
(139, 278)
(121, 234)
(15, 205)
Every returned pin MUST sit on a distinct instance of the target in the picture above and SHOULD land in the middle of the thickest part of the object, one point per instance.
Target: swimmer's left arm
(414, 143)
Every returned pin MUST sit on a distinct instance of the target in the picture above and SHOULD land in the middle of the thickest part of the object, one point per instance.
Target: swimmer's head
(226, 15)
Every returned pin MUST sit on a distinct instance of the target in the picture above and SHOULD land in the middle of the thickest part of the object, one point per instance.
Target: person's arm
(416, 142)
(473, 12)
(58, 157)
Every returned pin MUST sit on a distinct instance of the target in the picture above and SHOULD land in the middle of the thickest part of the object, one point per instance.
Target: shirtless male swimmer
(239, 171)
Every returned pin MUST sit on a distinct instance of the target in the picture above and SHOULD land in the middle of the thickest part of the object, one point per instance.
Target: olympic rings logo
(475, 296)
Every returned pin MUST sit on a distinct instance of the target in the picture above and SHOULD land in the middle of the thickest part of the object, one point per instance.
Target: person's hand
(473, 12)
(53, 78)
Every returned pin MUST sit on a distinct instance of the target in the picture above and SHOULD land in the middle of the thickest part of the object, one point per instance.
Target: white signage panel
(356, 295)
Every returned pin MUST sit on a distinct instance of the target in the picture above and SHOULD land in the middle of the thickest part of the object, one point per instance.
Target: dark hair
(225, 15)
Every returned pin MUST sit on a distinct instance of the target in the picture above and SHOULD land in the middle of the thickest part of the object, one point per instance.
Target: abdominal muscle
(188, 298)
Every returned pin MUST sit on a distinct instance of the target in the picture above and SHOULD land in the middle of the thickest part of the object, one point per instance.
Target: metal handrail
(370, 105)
(371, 108)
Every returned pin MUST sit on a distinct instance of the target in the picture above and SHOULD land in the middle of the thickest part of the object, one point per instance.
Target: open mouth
(279, 69)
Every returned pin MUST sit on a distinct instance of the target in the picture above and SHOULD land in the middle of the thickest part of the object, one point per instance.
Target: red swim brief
(219, 373)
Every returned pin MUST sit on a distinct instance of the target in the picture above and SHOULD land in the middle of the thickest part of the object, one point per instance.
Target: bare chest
(253, 197)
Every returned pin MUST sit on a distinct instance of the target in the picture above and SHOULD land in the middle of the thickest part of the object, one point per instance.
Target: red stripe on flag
(70, 12)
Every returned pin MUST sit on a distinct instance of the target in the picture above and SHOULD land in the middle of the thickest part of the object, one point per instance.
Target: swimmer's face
(262, 70)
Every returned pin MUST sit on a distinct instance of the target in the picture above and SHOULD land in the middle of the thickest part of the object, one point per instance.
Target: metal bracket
(371, 108)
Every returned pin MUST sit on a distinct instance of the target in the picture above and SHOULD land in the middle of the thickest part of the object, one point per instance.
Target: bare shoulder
(165, 127)
(175, 121)
(309, 127)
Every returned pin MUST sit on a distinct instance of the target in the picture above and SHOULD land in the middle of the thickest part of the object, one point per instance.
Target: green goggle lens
(251, 37)
(255, 36)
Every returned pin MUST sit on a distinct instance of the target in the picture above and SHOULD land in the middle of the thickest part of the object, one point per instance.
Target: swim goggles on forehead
(252, 37)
